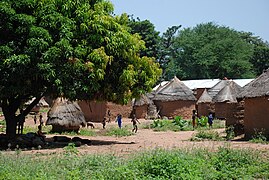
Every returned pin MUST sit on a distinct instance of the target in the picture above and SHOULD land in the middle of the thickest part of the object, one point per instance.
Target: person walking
(193, 117)
(210, 119)
(119, 120)
(134, 121)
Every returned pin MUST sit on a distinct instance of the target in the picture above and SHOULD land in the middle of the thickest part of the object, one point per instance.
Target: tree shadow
(51, 142)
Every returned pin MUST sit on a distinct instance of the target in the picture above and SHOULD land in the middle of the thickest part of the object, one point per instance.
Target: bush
(206, 135)
(178, 121)
(259, 137)
(118, 132)
(202, 122)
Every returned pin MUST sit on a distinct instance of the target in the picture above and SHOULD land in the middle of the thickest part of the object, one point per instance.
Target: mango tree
(72, 48)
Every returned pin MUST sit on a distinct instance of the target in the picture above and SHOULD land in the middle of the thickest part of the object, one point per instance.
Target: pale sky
(241, 15)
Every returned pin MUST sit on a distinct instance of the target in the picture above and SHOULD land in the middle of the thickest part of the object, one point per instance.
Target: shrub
(206, 135)
(118, 132)
(230, 132)
(202, 121)
(178, 121)
(259, 137)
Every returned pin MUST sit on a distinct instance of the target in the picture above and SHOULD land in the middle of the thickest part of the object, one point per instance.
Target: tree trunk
(11, 127)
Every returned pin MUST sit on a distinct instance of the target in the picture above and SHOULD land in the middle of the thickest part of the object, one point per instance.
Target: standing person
(119, 120)
(41, 120)
(210, 119)
(134, 121)
(109, 115)
(40, 133)
(35, 118)
(194, 115)
(104, 123)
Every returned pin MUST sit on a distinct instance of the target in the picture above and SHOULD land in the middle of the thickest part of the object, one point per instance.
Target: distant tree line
(204, 51)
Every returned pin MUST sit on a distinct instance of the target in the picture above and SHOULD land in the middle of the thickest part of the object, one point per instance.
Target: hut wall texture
(237, 119)
(141, 111)
(175, 108)
(93, 111)
(225, 110)
(124, 110)
(203, 109)
(256, 116)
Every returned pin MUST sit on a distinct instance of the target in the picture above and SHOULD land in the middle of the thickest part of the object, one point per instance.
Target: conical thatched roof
(65, 113)
(219, 86)
(143, 100)
(174, 90)
(228, 93)
(259, 87)
(205, 98)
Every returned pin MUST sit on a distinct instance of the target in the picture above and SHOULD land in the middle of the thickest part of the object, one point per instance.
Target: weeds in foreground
(259, 137)
(207, 135)
(224, 163)
(118, 132)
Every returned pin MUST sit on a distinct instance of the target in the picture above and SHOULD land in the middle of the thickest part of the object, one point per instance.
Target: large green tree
(210, 51)
(148, 34)
(71, 48)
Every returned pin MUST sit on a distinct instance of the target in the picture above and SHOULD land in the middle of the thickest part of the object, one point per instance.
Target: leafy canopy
(210, 51)
(71, 48)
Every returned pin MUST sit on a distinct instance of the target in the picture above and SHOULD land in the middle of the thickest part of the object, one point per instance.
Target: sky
(241, 15)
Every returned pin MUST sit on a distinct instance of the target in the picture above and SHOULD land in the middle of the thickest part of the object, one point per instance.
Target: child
(40, 134)
(210, 119)
(119, 120)
(104, 123)
(193, 118)
(134, 121)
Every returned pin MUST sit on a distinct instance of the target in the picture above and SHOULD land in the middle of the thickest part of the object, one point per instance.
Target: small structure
(204, 104)
(175, 99)
(256, 95)
(140, 107)
(225, 100)
(65, 116)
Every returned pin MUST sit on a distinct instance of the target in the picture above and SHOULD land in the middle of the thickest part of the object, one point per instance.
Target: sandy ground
(144, 139)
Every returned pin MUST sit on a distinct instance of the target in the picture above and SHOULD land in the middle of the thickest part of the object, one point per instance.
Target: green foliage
(206, 135)
(119, 132)
(202, 121)
(224, 163)
(78, 50)
(180, 122)
(71, 149)
(259, 137)
(210, 51)
(230, 132)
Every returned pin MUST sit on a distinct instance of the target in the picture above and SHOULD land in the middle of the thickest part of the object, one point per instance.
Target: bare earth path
(146, 139)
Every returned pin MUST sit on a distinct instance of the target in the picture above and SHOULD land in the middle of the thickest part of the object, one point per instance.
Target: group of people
(118, 120)
(210, 119)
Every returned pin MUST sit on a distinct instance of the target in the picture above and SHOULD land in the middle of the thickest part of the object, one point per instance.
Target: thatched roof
(228, 93)
(205, 98)
(259, 87)
(174, 90)
(143, 100)
(65, 113)
(219, 86)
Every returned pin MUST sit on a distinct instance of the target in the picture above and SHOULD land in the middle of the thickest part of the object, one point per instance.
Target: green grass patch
(207, 135)
(225, 163)
(178, 124)
(118, 132)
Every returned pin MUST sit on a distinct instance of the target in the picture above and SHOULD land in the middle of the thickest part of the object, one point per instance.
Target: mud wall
(256, 116)
(171, 109)
(141, 111)
(94, 111)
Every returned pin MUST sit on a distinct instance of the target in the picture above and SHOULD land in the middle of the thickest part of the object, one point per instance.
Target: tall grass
(224, 163)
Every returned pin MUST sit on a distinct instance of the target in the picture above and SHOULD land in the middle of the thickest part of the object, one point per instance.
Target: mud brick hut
(226, 102)
(94, 111)
(175, 99)
(141, 105)
(65, 116)
(256, 113)
(204, 104)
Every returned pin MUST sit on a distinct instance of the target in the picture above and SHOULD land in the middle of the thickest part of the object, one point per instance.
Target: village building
(204, 104)
(256, 108)
(65, 115)
(225, 101)
(175, 99)
(140, 106)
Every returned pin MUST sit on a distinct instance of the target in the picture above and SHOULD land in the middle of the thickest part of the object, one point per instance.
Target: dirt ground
(144, 139)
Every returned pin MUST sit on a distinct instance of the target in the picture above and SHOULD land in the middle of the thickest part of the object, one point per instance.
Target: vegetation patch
(207, 135)
(225, 163)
